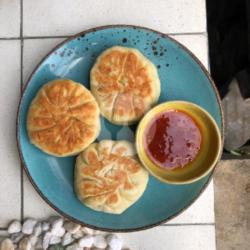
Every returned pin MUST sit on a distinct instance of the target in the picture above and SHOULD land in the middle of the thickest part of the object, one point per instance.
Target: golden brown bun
(63, 118)
(109, 177)
(125, 84)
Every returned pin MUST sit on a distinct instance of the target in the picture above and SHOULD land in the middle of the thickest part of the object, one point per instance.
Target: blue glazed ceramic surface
(182, 78)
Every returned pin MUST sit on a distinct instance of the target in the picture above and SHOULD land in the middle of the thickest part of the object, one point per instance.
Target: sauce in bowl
(172, 139)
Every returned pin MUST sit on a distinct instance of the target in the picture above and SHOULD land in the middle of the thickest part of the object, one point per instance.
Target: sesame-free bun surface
(63, 118)
(109, 177)
(125, 84)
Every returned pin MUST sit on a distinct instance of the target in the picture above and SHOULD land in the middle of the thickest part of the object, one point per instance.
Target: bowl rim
(24, 89)
(140, 129)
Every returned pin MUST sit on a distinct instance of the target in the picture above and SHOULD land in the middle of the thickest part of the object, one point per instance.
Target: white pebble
(86, 241)
(28, 226)
(14, 227)
(54, 240)
(46, 240)
(57, 226)
(58, 231)
(73, 247)
(87, 230)
(67, 239)
(16, 237)
(114, 242)
(33, 239)
(39, 243)
(71, 227)
(37, 229)
(7, 245)
(45, 226)
(79, 234)
(56, 222)
(100, 241)
(25, 244)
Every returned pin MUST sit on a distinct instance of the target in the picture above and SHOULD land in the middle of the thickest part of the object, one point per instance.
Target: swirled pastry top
(109, 177)
(63, 118)
(125, 84)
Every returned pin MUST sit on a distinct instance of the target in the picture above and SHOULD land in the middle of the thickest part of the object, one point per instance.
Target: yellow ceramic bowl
(207, 157)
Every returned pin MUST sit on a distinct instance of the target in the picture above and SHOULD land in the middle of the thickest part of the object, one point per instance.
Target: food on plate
(125, 84)
(109, 177)
(63, 118)
(172, 139)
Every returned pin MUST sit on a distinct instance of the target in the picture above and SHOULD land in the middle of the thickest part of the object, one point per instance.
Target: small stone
(58, 231)
(79, 234)
(7, 245)
(46, 240)
(25, 244)
(73, 247)
(14, 227)
(57, 226)
(86, 241)
(39, 243)
(33, 239)
(38, 229)
(54, 240)
(71, 227)
(100, 241)
(56, 222)
(114, 242)
(16, 237)
(67, 239)
(28, 226)
(87, 230)
(45, 226)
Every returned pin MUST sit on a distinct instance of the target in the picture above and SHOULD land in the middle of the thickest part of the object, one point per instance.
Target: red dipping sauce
(172, 139)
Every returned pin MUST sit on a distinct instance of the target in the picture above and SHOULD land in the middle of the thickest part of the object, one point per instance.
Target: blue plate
(182, 78)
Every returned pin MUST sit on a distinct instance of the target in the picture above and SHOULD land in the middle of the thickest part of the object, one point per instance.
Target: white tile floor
(9, 18)
(10, 196)
(171, 238)
(194, 229)
(66, 17)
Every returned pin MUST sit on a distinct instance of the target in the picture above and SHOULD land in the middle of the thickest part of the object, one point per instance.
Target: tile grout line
(209, 70)
(68, 36)
(5, 229)
(188, 224)
(21, 88)
(207, 42)
(164, 225)
(44, 37)
(9, 38)
(187, 33)
(208, 58)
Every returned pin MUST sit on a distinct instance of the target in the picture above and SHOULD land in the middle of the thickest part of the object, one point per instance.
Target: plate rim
(25, 168)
